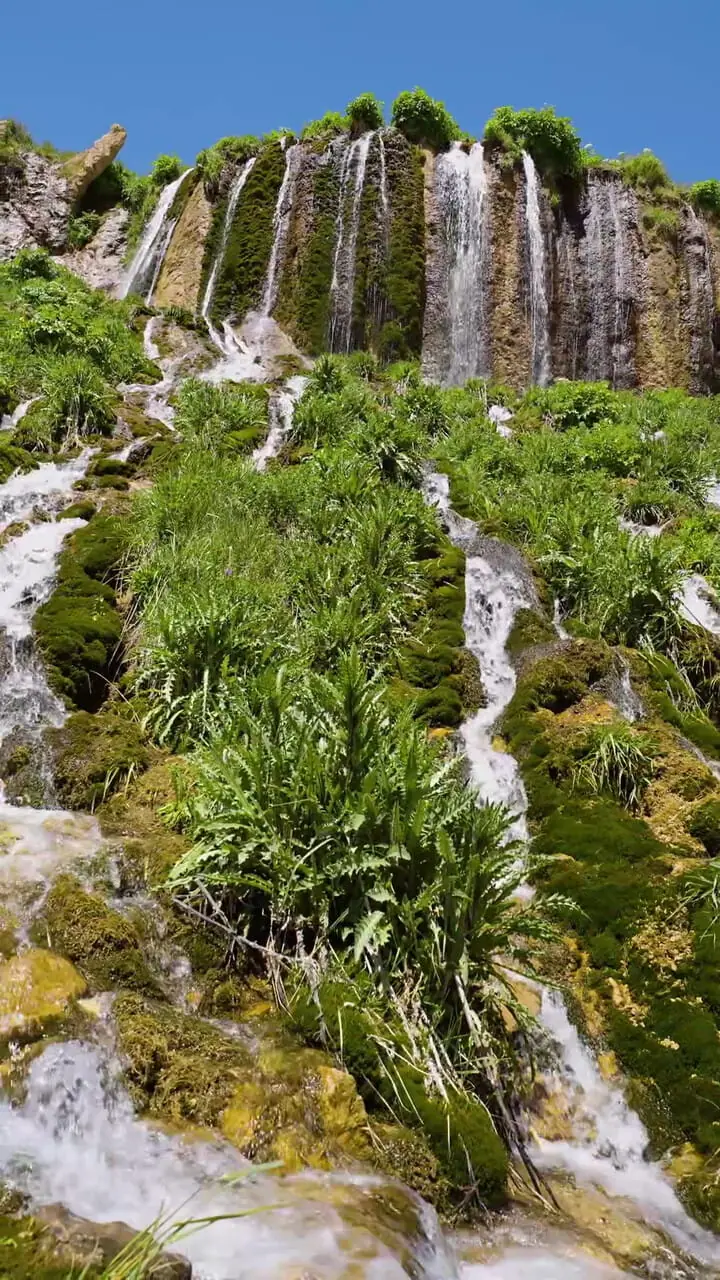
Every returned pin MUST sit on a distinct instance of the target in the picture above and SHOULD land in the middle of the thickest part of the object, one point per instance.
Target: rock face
(179, 281)
(86, 166)
(35, 205)
(36, 990)
(93, 1244)
(101, 262)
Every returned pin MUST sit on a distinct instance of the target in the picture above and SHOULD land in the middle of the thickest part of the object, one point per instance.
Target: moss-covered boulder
(101, 942)
(96, 755)
(274, 1101)
(37, 990)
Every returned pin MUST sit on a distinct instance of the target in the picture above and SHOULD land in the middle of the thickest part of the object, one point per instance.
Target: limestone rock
(35, 206)
(86, 166)
(179, 281)
(36, 990)
(82, 1243)
(101, 263)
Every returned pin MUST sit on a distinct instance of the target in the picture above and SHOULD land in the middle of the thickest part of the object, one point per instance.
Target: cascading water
(610, 273)
(539, 309)
(223, 341)
(352, 182)
(462, 197)
(282, 407)
(609, 1141)
(701, 302)
(281, 227)
(142, 275)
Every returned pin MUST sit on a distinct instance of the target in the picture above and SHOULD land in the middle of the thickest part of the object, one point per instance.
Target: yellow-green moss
(101, 942)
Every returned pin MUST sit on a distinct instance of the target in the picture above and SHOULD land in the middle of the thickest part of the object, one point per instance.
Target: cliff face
(460, 258)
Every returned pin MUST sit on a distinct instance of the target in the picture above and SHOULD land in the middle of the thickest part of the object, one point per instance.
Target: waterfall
(143, 272)
(609, 1141)
(701, 302)
(342, 288)
(221, 340)
(384, 194)
(282, 408)
(281, 227)
(462, 195)
(611, 280)
(539, 310)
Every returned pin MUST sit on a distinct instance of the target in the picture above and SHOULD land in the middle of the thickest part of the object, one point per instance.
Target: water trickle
(342, 288)
(143, 272)
(282, 407)
(281, 227)
(223, 340)
(697, 603)
(539, 309)
(384, 192)
(462, 195)
(9, 421)
(609, 1141)
(611, 280)
(701, 302)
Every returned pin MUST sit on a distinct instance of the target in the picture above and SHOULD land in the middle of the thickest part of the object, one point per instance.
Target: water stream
(142, 274)
(281, 227)
(462, 195)
(608, 1143)
(223, 340)
(539, 308)
(342, 288)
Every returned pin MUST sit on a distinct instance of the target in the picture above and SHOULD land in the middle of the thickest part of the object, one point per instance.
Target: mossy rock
(37, 991)
(131, 815)
(112, 467)
(276, 1102)
(28, 1249)
(96, 755)
(704, 824)
(101, 942)
(83, 510)
(22, 769)
(529, 629)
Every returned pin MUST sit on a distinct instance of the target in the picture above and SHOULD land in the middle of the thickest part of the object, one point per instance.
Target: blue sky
(631, 73)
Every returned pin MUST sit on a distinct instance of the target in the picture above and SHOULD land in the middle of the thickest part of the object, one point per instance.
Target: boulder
(86, 166)
(179, 281)
(82, 1244)
(37, 989)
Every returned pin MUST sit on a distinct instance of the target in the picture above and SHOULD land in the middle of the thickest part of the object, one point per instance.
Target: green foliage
(569, 405)
(229, 418)
(551, 140)
(81, 229)
(77, 401)
(166, 169)
(226, 151)
(423, 119)
(705, 196)
(704, 824)
(364, 112)
(645, 172)
(617, 760)
(240, 279)
(329, 126)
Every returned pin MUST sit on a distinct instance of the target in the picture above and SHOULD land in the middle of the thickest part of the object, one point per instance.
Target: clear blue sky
(631, 73)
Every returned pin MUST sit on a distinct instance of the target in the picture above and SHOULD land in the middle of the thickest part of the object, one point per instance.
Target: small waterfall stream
(281, 227)
(609, 1141)
(462, 195)
(539, 308)
(223, 341)
(352, 182)
(142, 274)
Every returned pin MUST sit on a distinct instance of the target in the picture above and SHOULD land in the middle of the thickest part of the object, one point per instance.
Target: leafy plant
(165, 169)
(706, 196)
(616, 759)
(76, 400)
(329, 126)
(645, 171)
(550, 139)
(364, 112)
(424, 119)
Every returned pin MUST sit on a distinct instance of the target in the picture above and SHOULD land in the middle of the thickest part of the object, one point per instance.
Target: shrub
(645, 171)
(574, 404)
(77, 400)
(329, 126)
(706, 196)
(617, 760)
(551, 140)
(364, 112)
(704, 825)
(226, 151)
(82, 229)
(423, 119)
(166, 169)
(32, 264)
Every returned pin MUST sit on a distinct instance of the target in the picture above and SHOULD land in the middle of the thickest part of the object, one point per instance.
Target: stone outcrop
(35, 205)
(86, 166)
(101, 263)
(81, 1243)
(179, 281)
(37, 989)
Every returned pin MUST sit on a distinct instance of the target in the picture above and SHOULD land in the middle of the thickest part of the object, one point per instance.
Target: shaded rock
(179, 281)
(86, 166)
(93, 1244)
(101, 262)
(37, 989)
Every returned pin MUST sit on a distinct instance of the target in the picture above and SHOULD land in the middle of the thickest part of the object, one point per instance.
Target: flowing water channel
(144, 270)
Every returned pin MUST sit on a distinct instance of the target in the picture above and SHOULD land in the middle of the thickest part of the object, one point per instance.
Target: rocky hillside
(521, 258)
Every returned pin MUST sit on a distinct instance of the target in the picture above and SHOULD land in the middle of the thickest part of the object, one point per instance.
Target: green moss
(304, 303)
(249, 244)
(177, 1066)
(704, 825)
(12, 459)
(94, 755)
(28, 1249)
(78, 629)
(462, 1136)
(401, 335)
(110, 467)
(101, 942)
(83, 510)
(529, 629)
(370, 305)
